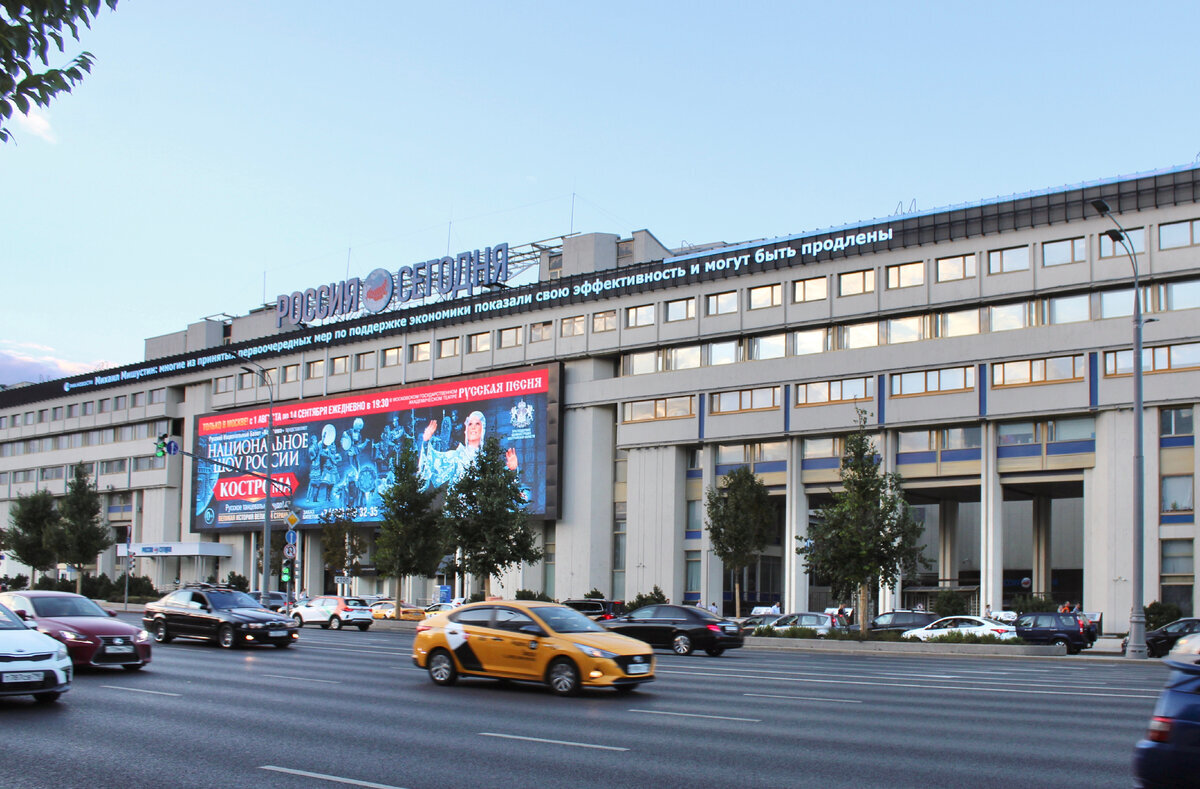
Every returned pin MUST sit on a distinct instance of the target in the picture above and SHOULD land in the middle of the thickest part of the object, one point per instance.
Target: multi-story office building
(990, 344)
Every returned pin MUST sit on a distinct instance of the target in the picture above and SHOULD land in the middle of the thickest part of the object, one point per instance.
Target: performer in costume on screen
(437, 468)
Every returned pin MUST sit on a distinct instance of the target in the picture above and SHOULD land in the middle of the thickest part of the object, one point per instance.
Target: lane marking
(140, 690)
(801, 698)
(552, 742)
(323, 777)
(305, 679)
(695, 715)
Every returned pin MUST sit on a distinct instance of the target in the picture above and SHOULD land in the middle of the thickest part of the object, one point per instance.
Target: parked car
(1160, 640)
(532, 641)
(393, 609)
(31, 663)
(813, 620)
(333, 612)
(754, 621)
(967, 625)
(680, 628)
(438, 608)
(1169, 755)
(1066, 630)
(92, 635)
(274, 601)
(596, 608)
(901, 620)
(218, 613)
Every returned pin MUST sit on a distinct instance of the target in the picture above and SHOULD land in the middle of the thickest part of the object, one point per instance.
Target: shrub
(239, 582)
(477, 597)
(15, 582)
(969, 638)
(1033, 604)
(595, 594)
(529, 594)
(655, 597)
(1159, 614)
(949, 603)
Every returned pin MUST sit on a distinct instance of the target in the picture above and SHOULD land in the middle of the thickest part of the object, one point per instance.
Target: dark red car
(94, 636)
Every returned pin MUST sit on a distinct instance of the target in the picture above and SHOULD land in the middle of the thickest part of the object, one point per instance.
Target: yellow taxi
(530, 641)
(392, 609)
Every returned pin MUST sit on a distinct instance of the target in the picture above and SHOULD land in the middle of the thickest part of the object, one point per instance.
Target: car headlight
(61, 654)
(142, 637)
(69, 635)
(591, 651)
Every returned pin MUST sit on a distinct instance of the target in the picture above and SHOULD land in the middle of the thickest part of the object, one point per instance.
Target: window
(691, 571)
(119, 402)
(418, 352)
(339, 365)
(366, 360)
(89, 408)
(955, 268)
(104, 405)
(773, 346)
(730, 453)
(113, 466)
(1175, 422)
(1081, 428)
(724, 352)
(695, 517)
(618, 572)
(765, 296)
(1002, 261)
(43, 415)
(149, 463)
(1119, 303)
(56, 413)
(950, 379)
(821, 448)
(1017, 433)
(137, 400)
(479, 342)
(770, 450)
(840, 391)
(25, 475)
(721, 303)
(1136, 238)
(812, 289)
(681, 310)
(640, 363)
(571, 327)
(915, 441)
(290, 373)
(860, 335)
(1179, 234)
(958, 324)
(852, 283)
(661, 408)
(71, 411)
(639, 316)
(1006, 317)
(1178, 557)
(606, 321)
(540, 332)
(1068, 309)
(50, 473)
(1176, 494)
(448, 348)
(683, 358)
(1036, 371)
(391, 357)
(510, 337)
(962, 438)
(809, 341)
(905, 275)
(223, 384)
(1154, 360)
(760, 399)
(315, 369)
(1060, 253)
(246, 380)
(1182, 295)
(906, 329)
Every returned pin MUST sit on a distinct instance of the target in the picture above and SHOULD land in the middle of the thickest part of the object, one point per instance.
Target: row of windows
(88, 408)
(55, 473)
(86, 438)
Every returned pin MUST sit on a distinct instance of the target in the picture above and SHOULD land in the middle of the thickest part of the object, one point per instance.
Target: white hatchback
(31, 663)
(333, 612)
(967, 625)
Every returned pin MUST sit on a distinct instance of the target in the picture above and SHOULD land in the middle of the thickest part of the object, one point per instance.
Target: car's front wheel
(335, 623)
(441, 668)
(298, 620)
(225, 637)
(681, 644)
(563, 677)
(160, 632)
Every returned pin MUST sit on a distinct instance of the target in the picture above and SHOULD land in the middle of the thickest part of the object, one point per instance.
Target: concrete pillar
(947, 543)
(889, 596)
(795, 574)
(991, 526)
(1041, 545)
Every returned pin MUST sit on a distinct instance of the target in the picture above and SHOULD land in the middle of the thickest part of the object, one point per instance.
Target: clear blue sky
(220, 152)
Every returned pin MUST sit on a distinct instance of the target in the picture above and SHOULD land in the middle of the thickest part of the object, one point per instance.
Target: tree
(411, 539)
(342, 541)
(83, 535)
(485, 517)
(28, 30)
(740, 523)
(867, 535)
(34, 538)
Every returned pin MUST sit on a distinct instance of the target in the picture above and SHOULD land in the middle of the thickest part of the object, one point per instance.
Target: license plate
(121, 650)
(639, 668)
(277, 633)
(23, 676)
(730, 628)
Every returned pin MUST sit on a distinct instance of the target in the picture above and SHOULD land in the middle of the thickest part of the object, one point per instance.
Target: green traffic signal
(285, 574)
(160, 449)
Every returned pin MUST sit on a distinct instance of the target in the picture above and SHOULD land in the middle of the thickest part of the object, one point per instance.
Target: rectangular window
(1183, 295)
(906, 329)
(950, 379)
(50, 473)
(955, 268)
(809, 341)
(765, 296)
(43, 415)
(113, 466)
(1177, 494)
(1154, 360)
(89, 407)
(137, 400)
(859, 335)
(1175, 422)
(640, 363)
(760, 399)
(1015, 433)
(339, 365)
(104, 405)
(773, 346)
(1119, 303)
(681, 310)
(366, 361)
(479, 342)
(290, 373)
(962, 438)
(540, 332)
(315, 369)
(691, 574)
(821, 448)
(1060, 253)
(961, 323)
(839, 391)
(905, 275)
(1136, 238)
(1002, 261)
(812, 289)
(510, 337)
(1068, 309)
(724, 352)
(730, 453)
(25, 475)
(1178, 557)
(223, 384)
(661, 408)
(149, 463)
(853, 283)
(391, 357)
(1006, 317)
(418, 352)
(119, 402)
(915, 441)
(639, 316)
(246, 380)
(571, 327)
(1179, 234)
(770, 450)
(721, 303)
(56, 413)
(604, 321)
(1035, 371)
(1080, 428)
(695, 516)
(684, 358)
(448, 348)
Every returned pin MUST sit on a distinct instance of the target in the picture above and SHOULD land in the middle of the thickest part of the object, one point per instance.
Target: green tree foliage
(867, 535)
(485, 517)
(1033, 603)
(740, 523)
(35, 534)
(655, 597)
(29, 32)
(529, 594)
(595, 594)
(342, 541)
(949, 603)
(83, 535)
(1159, 614)
(412, 540)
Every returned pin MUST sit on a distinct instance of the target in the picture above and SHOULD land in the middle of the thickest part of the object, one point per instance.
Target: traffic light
(285, 573)
(160, 449)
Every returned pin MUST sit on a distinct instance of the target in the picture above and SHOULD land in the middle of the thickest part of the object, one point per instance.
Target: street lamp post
(1136, 648)
(266, 536)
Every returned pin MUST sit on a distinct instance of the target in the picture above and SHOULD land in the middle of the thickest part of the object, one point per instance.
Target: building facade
(990, 345)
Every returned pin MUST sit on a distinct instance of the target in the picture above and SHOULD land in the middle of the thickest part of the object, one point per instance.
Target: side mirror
(21, 612)
(533, 630)
(111, 612)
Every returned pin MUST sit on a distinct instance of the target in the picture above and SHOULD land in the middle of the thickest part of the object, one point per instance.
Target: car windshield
(561, 619)
(9, 620)
(232, 600)
(66, 606)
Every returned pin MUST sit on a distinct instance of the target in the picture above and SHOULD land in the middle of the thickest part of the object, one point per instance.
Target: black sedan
(680, 628)
(216, 613)
(1160, 641)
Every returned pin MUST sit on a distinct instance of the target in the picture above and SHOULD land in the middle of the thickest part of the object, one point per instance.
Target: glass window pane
(1177, 494)
(811, 341)
(1017, 433)
(817, 392)
(860, 335)
(1176, 234)
(1069, 309)
(772, 450)
(771, 347)
(731, 453)
(854, 388)
(959, 324)
(1116, 303)
(764, 398)
(1186, 355)
(911, 383)
(729, 401)
(914, 441)
(1183, 295)
(962, 438)
(723, 352)
(1060, 368)
(1006, 317)
(905, 329)
(678, 406)
(685, 358)
(819, 448)
(1079, 429)
(953, 378)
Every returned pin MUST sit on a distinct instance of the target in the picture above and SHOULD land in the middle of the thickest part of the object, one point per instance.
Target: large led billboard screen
(335, 454)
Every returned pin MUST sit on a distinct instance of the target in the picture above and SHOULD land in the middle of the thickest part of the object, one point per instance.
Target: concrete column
(991, 526)
(795, 574)
(947, 543)
(1041, 545)
(889, 596)
(712, 569)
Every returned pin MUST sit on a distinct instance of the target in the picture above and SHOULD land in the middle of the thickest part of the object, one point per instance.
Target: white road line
(139, 690)
(323, 777)
(694, 715)
(304, 679)
(801, 698)
(552, 742)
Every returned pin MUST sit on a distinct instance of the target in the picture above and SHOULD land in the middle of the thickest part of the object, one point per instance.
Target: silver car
(813, 620)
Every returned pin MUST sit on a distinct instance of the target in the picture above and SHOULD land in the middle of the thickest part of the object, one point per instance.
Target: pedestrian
(987, 611)
(712, 608)
(1077, 609)
(775, 608)
(1065, 608)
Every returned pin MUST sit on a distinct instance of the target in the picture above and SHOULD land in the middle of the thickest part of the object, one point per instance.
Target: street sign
(292, 519)
(289, 551)
(290, 536)
(172, 447)
(342, 579)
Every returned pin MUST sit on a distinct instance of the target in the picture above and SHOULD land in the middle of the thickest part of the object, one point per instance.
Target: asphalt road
(349, 709)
